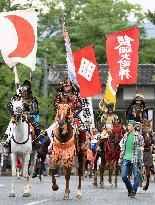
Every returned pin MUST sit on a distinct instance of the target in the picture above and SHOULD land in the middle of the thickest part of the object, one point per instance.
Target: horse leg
(80, 173)
(95, 173)
(139, 190)
(13, 161)
(152, 171)
(147, 178)
(111, 168)
(33, 162)
(67, 177)
(116, 167)
(40, 173)
(101, 174)
(54, 186)
(25, 160)
(18, 173)
(41, 167)
(33, 159)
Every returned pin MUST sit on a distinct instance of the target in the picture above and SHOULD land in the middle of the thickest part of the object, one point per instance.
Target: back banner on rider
(87, 72)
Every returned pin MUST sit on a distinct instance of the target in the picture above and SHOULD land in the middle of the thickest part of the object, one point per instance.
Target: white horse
(21, 144)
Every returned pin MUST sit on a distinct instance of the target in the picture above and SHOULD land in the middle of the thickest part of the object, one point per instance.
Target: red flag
(87, 72)
(122, 55)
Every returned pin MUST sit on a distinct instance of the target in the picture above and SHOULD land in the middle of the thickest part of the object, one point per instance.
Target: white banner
(18, 37)
(87, 111)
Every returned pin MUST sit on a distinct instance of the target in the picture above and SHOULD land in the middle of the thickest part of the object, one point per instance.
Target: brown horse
(81, 152)
(109, 152)
(147, 153)
(64, 148)
(41, 155)
(114, 140)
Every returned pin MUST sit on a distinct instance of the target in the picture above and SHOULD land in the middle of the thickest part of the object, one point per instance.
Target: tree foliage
(88, 22)
(151, 16)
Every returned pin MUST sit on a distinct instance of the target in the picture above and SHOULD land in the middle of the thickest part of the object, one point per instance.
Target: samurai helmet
(110, 106)
(26, 88)
(66, 82)
(138, 97)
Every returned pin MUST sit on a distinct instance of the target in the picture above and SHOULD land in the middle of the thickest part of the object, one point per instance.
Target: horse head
(63, 115)
(117, 132)
(18, 110)
(147, 131)
(146, 125)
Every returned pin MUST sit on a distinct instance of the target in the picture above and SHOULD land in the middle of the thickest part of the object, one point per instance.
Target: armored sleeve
(145, 113)
(57, 100)
(34, 109)
(129, 114)
(77, 104)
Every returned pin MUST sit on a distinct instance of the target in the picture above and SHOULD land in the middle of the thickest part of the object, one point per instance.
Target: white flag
(18, 37)
(87, 111)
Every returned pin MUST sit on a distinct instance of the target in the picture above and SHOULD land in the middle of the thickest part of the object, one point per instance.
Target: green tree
(151, 16)
(87, 21)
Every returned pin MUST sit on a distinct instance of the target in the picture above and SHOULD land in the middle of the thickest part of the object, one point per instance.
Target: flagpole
(136, 88)
(31, 76)
(16, 77)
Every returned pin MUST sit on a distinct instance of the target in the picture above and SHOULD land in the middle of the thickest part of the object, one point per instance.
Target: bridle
(63, 117)
(18, 114)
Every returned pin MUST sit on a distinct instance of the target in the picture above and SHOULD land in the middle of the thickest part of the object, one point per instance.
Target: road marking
(1, 185)
(37, 202)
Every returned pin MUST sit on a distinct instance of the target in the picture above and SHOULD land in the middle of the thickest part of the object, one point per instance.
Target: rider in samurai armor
(30, 106)
(69, 95)
(107, 115)
(107, 120)
(137, 109)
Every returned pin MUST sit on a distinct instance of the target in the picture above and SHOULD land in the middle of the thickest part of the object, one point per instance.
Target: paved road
(43, 195)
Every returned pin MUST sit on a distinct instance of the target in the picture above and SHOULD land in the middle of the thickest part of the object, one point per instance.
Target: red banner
(122, 55)
(87, 72)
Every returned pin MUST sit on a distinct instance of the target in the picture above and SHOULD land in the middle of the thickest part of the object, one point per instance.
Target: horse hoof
(95, 184)
(55, 188)
(12, 195)
(101, 185)
(111, 184)
(66, 195)
(26, 194)
(78, 196)
(145, 188)
(66, 198)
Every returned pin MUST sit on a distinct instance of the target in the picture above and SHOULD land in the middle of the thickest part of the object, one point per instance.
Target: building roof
(145, 74)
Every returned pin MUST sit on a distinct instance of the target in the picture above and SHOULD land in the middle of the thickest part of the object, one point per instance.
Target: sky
(146, 4)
